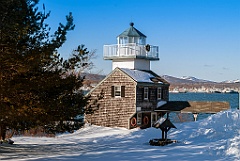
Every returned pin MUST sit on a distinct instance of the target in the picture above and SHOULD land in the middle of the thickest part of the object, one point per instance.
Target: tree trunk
(2, 132)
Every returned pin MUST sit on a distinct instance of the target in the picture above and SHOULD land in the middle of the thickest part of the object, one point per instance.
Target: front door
(153, 118)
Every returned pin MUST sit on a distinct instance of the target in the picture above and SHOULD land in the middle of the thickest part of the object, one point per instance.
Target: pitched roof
(131, 32)
(165, 123)
(137, 76)
(144, 76)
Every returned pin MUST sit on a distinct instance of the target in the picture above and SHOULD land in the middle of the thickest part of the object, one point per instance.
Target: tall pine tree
(37, 87)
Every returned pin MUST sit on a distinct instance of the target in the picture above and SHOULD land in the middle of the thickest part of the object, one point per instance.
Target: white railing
(130, 50)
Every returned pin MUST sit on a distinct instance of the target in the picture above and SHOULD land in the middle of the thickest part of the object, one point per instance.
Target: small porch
(143, 119)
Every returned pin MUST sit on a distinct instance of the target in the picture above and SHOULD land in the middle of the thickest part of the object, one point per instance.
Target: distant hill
(171, 79)
(232, 81)
(183, 84)
(185, 79)
(94, 77)
(192, 84)
(192, 80)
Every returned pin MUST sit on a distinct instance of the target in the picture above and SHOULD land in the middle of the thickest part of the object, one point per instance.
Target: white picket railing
(130, 50)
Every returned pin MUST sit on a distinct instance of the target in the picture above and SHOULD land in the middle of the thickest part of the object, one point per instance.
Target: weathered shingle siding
(151, 103)
(114, 112)
(165, 93)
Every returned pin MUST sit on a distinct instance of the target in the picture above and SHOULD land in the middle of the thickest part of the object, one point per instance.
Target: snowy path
(215, 138)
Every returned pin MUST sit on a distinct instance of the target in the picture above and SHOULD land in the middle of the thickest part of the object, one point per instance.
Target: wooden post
(162, 134)
(195, 115)
(166, 130)
(167, 116)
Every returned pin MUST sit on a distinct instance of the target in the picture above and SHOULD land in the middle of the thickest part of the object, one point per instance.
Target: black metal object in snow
(165, 126)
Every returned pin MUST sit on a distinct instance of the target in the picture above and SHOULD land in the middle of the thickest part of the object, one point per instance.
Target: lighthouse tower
(131, 51)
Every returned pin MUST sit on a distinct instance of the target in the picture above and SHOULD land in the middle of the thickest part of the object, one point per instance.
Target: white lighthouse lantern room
(131, 51)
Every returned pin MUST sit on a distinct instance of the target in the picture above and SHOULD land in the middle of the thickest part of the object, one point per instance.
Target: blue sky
(198, 38)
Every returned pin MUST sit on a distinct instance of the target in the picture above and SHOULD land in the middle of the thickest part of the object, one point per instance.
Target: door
(153, 118)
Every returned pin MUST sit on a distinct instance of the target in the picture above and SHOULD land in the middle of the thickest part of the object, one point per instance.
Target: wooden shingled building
(133, 95)
(131, 91)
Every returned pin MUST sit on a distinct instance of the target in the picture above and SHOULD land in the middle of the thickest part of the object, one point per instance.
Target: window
(131, 40)
(159, 93)
(123, 40)
(136, 40)
(145, 93)
(118, 91)
(142, 41)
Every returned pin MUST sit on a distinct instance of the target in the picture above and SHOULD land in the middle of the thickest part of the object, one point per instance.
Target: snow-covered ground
(214, 138)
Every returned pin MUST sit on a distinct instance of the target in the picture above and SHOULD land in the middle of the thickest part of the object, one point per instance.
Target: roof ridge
(144, 76)
(133, 32)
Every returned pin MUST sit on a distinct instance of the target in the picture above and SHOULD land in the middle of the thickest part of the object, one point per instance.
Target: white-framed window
(142, 41)
(145, 93)
(123, 40)
(118, 91)
(159, 93)
(131, 40)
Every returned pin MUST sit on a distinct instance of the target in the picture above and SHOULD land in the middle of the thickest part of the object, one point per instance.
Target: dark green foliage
(37, 87)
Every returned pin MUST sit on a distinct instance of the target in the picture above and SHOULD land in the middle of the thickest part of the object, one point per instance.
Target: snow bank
(214, 138)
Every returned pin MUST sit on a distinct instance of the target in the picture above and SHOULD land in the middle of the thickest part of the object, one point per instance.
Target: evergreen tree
(37, 87)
